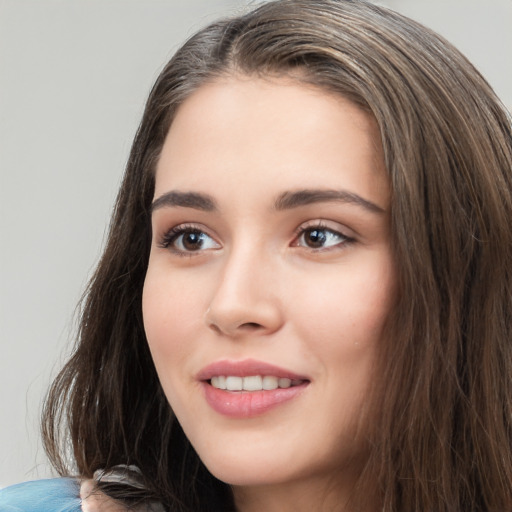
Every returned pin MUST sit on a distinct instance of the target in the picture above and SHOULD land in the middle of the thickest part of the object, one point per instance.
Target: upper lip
(246, 368)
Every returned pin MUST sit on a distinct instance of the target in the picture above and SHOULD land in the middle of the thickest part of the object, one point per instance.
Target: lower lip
(246, 404)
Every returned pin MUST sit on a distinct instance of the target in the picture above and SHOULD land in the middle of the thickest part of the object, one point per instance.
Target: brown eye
(315, 237)
(192, 240)
(183, 240)
(318, 237)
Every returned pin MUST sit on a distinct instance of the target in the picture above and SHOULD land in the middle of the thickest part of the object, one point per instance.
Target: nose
(246, 300)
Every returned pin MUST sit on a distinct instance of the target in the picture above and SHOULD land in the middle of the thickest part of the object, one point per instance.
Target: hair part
(439, 415)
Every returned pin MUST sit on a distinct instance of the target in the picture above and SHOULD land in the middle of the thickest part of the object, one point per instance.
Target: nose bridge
(246, 298)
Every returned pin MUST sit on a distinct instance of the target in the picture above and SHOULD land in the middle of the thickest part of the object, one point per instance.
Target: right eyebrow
(185, 200)
(288, 200)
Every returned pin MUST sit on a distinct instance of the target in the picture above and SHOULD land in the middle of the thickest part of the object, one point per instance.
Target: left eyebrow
(193, 200)
(289, 200)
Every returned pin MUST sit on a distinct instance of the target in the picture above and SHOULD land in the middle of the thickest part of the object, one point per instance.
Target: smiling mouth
(249, 388)
(253, 382)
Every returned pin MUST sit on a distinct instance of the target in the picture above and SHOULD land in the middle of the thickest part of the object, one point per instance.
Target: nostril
(215, 328)
(250, 326)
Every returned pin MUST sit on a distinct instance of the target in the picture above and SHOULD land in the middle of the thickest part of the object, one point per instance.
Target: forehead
(269, 133)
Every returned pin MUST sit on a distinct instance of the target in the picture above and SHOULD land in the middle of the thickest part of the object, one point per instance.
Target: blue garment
(52, 495)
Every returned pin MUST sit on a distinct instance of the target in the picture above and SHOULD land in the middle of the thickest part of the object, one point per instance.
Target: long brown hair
(441, 405)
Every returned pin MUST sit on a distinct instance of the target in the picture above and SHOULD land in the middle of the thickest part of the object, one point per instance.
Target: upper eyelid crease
(290, 200)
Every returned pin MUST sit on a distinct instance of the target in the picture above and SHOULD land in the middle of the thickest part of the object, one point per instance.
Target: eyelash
(321, 227)
(169, 238)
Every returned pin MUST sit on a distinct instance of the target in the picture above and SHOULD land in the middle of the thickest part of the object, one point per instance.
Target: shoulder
(95, 501)
(52, 495)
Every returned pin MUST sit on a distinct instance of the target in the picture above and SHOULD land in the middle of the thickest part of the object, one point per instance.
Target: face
(270, 277)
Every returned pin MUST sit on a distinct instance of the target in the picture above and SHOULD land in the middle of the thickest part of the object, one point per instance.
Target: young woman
(305, 301)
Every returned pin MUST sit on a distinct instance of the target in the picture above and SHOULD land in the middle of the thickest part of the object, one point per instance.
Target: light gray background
(74, 75)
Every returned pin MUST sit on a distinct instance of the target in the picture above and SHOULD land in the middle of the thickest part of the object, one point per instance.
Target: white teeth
(285, 383)
(219, 382)
(252, 383)
(270, 382)
(234, 383)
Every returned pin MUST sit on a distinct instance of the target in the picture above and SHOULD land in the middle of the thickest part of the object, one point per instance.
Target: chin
(248, 474)
(248, 467)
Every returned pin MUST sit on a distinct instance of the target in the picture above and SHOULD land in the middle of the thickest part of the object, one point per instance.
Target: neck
(298, 496)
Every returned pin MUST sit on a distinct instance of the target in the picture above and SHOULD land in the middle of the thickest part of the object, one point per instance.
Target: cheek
(351, 306)
(342, 325)
(168, 313)
(166, 320)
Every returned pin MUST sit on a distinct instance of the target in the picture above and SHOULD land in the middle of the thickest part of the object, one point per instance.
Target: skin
(262, 286)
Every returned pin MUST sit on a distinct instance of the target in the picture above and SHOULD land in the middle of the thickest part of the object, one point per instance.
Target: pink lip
(247, 404)
(246, 368)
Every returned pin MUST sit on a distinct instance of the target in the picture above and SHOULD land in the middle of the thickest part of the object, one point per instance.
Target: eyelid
(333, 226)
(324, 225)
(167, 238)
